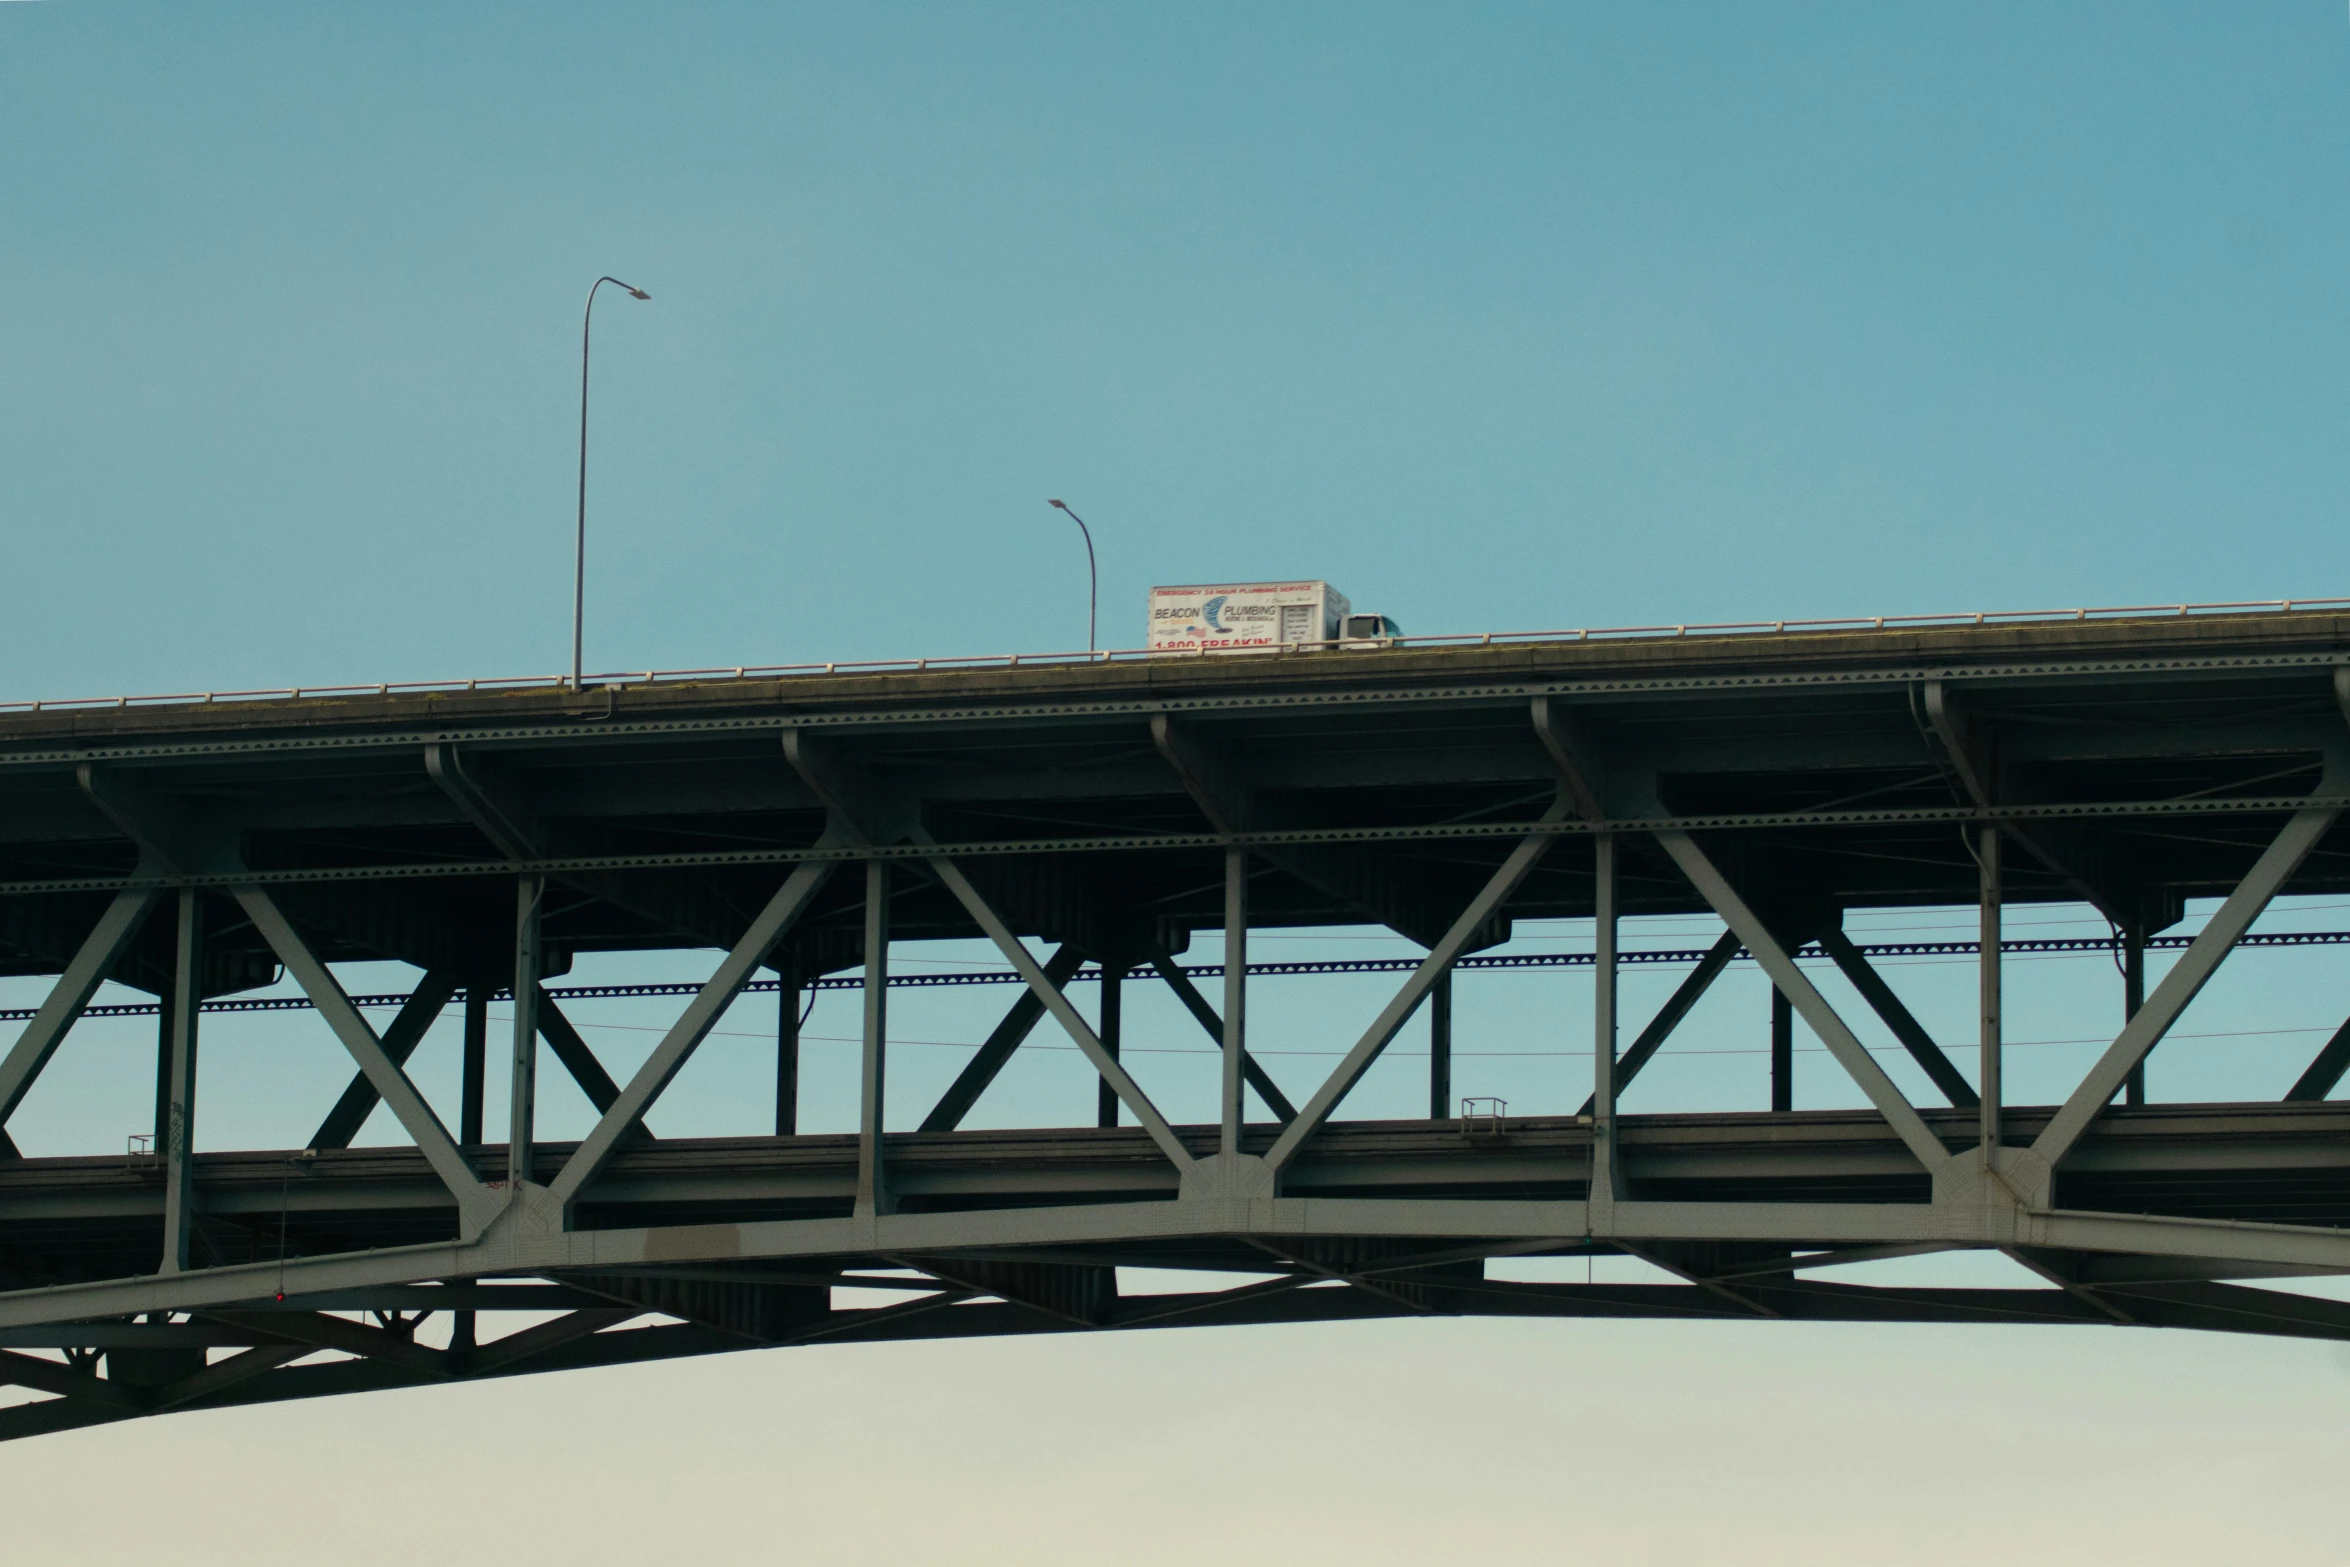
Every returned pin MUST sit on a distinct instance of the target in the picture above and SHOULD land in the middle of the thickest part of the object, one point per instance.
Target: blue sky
(1498, 316)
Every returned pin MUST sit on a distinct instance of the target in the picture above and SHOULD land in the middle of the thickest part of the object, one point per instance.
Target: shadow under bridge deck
(1100, 815)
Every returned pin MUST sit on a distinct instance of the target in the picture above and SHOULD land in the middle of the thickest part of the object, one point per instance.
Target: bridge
(1089, 818)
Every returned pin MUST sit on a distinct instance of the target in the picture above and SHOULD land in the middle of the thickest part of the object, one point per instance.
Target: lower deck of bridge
(1495, 1067)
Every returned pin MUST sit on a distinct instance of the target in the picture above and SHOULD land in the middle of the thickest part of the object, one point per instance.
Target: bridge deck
(1108, 814)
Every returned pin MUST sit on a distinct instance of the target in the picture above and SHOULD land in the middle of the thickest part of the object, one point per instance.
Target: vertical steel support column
(529, 962)
(1113, 1012)
(787, 1049)
(474, 1084)
(473, 1090)
(1440, 1048)
(872, 1175)
(1782, 1050)
(177, 1144)
(2133, 997)
(1235, 993)
(166, 1010)
(1988, 1074)
(1606, 1171)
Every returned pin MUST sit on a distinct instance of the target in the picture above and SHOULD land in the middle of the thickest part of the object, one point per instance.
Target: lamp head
(1062, 504)
(638, 292)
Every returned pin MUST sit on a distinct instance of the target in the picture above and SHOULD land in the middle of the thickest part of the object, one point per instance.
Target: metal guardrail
(653, 677)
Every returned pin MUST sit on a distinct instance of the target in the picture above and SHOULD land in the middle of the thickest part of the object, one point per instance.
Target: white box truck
(1245, 615)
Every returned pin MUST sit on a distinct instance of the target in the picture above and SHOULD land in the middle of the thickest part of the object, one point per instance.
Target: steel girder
(1775, 782)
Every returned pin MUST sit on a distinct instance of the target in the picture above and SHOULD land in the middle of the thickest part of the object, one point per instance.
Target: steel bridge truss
(1106, 814)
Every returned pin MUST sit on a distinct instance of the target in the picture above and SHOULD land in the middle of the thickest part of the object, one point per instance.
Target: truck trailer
(1245, 615)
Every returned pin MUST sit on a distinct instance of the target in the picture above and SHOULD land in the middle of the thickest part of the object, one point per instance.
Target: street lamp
(1093, 591)
(579, 556)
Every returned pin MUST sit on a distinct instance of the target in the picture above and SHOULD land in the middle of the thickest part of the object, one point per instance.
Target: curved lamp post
(1093, 591)
(579, 556)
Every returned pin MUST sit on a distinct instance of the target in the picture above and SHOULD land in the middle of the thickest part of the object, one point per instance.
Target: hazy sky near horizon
(1499, 316)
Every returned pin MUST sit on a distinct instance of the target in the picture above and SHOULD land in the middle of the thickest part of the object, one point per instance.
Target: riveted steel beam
(391, 1084)
(416, 1015)
(2326, 1071)
(1668, 1017)
(1864, 978)
(1383, 1029)
(2186, 979)
(1797, 987)
(775, 921)
(996, 1051)
(1129, 1092)
(1204, 1014)
(2199, 806)
(91, 963)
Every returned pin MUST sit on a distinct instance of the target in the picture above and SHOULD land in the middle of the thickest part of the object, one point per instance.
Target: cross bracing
(1091, 823)
(1091, 973)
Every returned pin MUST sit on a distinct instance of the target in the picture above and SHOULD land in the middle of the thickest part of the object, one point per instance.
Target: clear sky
(1498, 316)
